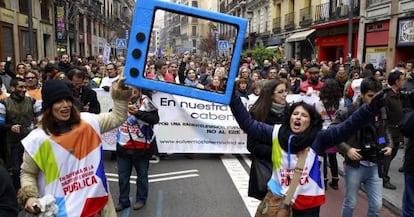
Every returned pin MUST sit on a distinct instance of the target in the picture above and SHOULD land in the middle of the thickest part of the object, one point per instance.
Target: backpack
(406, 124)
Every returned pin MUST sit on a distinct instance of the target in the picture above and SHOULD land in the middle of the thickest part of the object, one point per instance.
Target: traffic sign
(223, 45)
(121, 43)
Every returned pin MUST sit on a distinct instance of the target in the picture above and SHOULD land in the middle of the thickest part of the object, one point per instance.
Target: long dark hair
(50, 124)
(262, 106)
(330, 93)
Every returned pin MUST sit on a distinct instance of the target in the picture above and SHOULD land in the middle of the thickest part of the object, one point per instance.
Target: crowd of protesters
(29, 93)
(338, 86)
(23, 82)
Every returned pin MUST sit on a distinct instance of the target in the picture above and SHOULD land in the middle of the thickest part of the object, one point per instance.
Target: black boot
(334, 183)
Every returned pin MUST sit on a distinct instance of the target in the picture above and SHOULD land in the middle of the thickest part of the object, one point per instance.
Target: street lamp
(350, 32)
(30, 26)
(249, 15)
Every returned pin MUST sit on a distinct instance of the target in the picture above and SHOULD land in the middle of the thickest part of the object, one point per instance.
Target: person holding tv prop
(134, 148)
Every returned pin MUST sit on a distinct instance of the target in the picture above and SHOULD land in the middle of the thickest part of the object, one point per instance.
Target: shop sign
(406, 33)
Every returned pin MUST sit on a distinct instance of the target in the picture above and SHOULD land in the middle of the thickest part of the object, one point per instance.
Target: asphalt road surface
(208, 185)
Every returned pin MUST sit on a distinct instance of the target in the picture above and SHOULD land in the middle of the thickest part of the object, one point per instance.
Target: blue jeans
(125, 164)
(368, 176)
(408, 197)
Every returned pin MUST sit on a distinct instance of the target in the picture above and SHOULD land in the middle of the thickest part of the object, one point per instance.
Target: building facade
(185, 33)
(77, 27)
(377, 31)
(388, 32)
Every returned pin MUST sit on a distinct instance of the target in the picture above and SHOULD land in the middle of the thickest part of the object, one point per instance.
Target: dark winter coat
(261, 152)
(88, 96)
(354, 141)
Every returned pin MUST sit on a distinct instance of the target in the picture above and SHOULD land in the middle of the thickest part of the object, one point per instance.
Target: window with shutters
(6, 35)
(24, 42)
(24, 6)
(45, 10)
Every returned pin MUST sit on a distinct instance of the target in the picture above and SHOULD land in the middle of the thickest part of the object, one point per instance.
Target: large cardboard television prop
(195, 27)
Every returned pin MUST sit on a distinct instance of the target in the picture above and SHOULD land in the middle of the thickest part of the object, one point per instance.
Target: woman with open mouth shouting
(300, 135)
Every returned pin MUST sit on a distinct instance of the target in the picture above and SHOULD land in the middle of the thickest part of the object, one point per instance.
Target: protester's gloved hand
(106, 88)
(378, 100)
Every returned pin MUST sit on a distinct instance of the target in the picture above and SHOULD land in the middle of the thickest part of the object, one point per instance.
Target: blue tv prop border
(139, 43)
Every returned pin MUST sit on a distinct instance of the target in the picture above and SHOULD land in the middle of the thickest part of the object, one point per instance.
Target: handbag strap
(295, 181)
(133, 142)
(327, 112)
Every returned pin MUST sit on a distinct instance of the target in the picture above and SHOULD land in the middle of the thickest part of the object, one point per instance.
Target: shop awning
(300, 36)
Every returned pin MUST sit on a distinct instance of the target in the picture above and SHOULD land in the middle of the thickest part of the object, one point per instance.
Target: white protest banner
(194, 126)
(108, 138)
(290, 98)
(106, 53)
(312, 99)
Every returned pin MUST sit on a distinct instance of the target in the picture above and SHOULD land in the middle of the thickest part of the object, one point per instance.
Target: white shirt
(356, 87)
(107, 81)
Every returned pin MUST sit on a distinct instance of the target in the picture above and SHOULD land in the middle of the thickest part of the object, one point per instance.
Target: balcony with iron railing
(184, 20)
(93, 7)
(276, 26)
(376, 2)
(305, 17)
(176, 31)
(184, 37)
(223, 8)
(290, 21)
(326, 13)
(176, 19)
(233, 4)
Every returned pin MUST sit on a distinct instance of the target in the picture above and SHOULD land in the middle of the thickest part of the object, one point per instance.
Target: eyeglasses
(29, 78)
(281, 91)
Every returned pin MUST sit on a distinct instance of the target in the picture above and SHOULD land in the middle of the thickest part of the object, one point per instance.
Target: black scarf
(63, 126)
(298, 142)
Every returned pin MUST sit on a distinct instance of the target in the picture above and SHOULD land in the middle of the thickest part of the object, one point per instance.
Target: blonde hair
(324, 70)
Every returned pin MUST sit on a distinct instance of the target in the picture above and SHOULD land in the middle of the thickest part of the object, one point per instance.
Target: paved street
(334, 199)
(213, 185)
